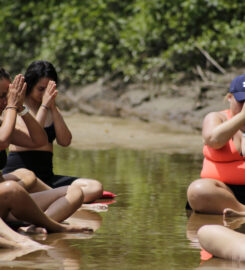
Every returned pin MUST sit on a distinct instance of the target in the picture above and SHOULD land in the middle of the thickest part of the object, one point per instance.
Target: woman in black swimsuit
(41, 79)
(16, 204)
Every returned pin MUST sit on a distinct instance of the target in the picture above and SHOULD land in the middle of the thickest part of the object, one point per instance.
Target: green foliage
(133, 39)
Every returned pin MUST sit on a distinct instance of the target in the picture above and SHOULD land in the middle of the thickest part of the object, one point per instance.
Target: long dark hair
(36, 71)
(4, 74)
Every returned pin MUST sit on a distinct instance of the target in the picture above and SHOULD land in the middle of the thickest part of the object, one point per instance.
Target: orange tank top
(224, 164)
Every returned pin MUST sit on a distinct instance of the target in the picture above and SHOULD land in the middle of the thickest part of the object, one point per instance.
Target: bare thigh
(25, 177)
(211, 196)
(45, 198)
(206, 185)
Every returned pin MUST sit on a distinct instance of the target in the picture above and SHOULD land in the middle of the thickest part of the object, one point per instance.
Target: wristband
(11, 107)
(23, 112)
(45, 107)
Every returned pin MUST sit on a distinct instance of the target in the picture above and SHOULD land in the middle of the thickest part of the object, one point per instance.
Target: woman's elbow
(64, 143)
(64, 140)
(214, 143)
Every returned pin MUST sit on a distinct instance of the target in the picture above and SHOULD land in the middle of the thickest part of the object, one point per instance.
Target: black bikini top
(50, 130)
(3, 158)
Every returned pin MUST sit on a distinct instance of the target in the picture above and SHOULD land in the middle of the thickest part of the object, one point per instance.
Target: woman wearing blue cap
(221, 188)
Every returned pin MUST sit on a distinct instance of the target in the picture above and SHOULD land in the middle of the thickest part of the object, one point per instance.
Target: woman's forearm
(36, 132)
(63, 134)
(221, 133)
(7, 127)
(41, 115)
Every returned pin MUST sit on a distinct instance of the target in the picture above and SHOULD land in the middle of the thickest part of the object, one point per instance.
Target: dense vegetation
(130, 39)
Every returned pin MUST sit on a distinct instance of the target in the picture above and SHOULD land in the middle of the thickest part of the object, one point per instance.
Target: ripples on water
(145, 229)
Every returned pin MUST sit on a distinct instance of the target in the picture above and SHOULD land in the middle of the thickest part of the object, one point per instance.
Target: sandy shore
(98, 132)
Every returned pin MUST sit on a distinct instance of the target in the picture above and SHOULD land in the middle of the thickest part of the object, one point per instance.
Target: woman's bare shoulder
(218, 116)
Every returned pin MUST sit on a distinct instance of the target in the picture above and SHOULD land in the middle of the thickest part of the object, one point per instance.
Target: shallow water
(147, 227)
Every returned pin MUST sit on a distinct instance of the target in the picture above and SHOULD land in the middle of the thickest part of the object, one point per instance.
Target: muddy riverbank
(163, 117)
(180, 104)
(103, 132)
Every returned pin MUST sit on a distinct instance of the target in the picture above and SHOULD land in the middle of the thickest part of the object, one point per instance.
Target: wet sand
(99, 132)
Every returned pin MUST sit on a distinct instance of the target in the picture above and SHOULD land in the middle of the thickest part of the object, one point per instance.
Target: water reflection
(146, 228)
(216, 263)
(62, 255)
(196, 221)
(149, 212)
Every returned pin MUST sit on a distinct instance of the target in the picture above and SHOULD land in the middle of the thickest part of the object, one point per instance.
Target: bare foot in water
(66, 228)
(77, 228)
(228, 212)
(32, 229)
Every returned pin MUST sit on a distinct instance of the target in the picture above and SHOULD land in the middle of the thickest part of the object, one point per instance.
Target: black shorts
(238, 190)
(41, 163)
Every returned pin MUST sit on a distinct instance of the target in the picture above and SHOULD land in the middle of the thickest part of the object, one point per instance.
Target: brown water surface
(147, 227)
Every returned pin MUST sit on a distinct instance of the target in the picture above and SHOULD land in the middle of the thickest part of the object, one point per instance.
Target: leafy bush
(133, 39)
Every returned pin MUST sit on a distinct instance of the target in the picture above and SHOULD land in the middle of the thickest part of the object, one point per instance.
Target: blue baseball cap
(237, 88)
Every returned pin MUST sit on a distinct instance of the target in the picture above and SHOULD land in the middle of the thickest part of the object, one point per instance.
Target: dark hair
(4, 74)
(36, 71)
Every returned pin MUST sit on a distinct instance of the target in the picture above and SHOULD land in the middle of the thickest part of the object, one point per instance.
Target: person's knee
(194, 189)
(198, 193)
(91, 185)
(97, 187)
(28, 178)
(10, 188)
(75, 196)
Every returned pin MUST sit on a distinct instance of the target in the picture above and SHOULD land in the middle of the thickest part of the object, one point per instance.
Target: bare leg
(11, 239)
(27, 179)
(59, 203)
(39, 186)
(14, 245)
(92, 189)
(222, 242)
(212, 197)
(14, 199)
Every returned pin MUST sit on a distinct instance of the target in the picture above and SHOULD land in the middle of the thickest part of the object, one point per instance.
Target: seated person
(41, 79)
(42, 208)
(222, 183)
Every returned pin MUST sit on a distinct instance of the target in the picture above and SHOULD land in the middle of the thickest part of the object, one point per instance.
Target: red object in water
(205, 255)
(107, 194)
(106, 198)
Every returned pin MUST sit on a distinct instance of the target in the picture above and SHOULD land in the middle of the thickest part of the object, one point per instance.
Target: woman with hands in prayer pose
(221, 189)
(16, 204)
(41, 79)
